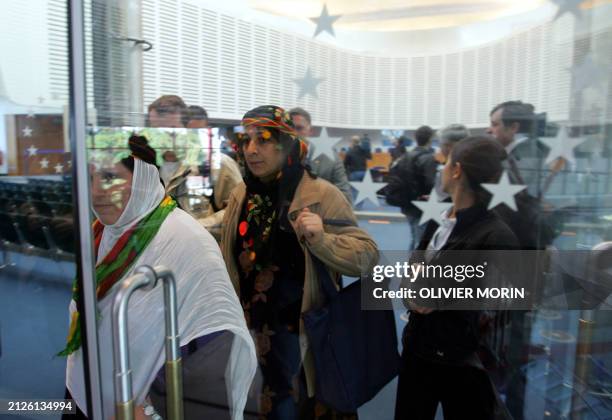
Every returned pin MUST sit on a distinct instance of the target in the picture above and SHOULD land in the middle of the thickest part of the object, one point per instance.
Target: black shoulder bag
(355, 351)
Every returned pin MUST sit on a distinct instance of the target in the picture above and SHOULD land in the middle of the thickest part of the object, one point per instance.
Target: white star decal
(308, 84)
(432, 209)
(503, 192)
(324, 22)
(44, 163)
(562, 146)
(586, 74)
(572, 6)
(323, 145)
(27, 131)
(59, 168)
(367, 189)
(32, 150)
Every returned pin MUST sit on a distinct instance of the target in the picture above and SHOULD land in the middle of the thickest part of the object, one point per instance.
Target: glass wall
(370, 75)
(38, 215)
(376, 84)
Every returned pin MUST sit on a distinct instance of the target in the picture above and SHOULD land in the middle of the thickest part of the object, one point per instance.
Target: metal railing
(146, 278)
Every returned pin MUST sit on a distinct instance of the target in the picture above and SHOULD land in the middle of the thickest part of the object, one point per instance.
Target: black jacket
(452, 336)
(356, 159)
(412, 176)
(425, 168)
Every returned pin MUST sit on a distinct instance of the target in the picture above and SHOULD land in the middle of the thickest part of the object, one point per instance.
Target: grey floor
(34, 296)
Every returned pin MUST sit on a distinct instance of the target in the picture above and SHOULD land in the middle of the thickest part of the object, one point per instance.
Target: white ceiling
(399, 15)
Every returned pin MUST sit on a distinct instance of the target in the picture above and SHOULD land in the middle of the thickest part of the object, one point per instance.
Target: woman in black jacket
(439, 360)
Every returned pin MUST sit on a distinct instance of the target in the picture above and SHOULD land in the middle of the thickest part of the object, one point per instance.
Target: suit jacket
(332, 171)
(528, 157)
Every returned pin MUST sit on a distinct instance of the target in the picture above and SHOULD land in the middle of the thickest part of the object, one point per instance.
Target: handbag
(355, 352)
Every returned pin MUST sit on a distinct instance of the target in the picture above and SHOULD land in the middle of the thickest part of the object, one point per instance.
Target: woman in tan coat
(275, 221)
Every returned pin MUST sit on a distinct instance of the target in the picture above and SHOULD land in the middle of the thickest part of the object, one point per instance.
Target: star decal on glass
(366, 189)
(325, 22)
(308, 84)
(432, 209)
(562, 146)
(503, 192)
(323, 145)
(32, 150)
(565, 6)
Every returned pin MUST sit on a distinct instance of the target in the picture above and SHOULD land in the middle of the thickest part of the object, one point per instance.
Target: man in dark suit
(322, 166)
(513, 124)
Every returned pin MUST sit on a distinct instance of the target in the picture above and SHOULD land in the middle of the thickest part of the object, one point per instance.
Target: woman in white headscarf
(130, 203)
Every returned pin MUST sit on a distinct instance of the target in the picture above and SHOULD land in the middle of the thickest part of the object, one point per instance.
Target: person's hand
(310, 226)
(419, 309)
(139, 413)
(557, 165)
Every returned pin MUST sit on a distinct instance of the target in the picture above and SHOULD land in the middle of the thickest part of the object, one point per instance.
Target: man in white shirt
(167, 111)
(170, 111)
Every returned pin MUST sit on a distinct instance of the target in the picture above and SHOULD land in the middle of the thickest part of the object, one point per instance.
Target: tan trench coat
(347, 250)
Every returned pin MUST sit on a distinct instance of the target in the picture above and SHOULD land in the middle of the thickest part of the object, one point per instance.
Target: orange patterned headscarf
(277, 125)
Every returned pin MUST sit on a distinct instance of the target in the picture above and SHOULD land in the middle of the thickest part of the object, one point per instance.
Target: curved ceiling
(400, 15)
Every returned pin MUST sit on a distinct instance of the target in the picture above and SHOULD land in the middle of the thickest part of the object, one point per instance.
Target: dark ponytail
(139, 146)
(481, 160)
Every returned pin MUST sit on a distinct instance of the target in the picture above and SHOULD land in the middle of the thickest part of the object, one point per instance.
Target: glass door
(44, 206)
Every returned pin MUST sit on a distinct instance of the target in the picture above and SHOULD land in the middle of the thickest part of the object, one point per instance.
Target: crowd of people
(276, 207)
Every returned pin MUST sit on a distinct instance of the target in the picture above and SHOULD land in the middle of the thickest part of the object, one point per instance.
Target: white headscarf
(206, 300)
(147, 193)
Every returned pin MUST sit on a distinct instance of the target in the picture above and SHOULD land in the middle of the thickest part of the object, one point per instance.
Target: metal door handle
(146, 277)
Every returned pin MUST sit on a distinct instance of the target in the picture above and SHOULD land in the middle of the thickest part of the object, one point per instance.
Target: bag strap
(325, 280)
(339, 222)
